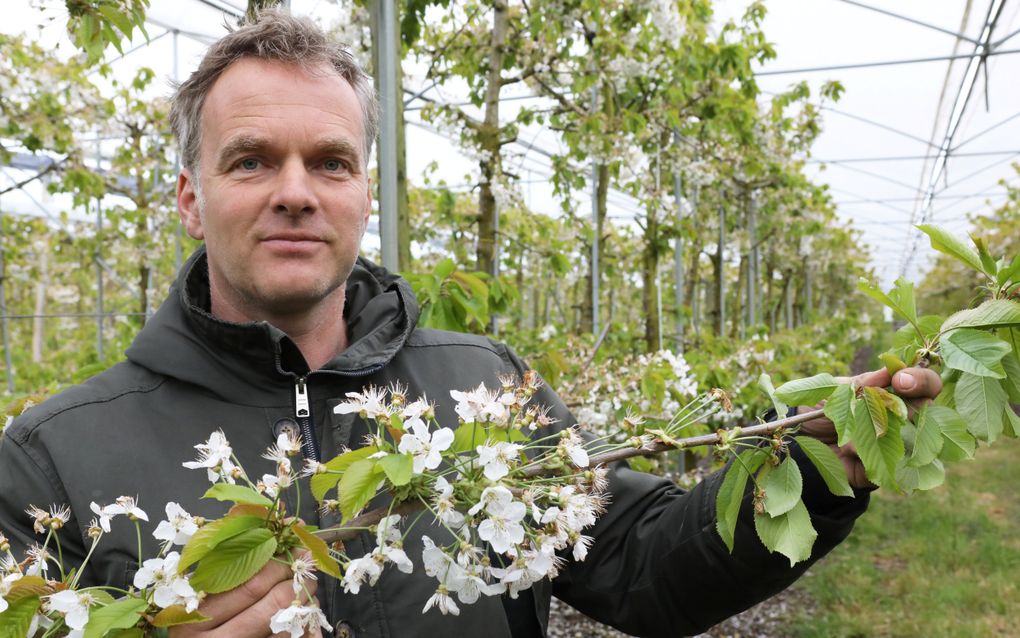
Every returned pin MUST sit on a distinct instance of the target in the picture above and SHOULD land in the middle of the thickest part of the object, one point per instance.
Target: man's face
(284, 195)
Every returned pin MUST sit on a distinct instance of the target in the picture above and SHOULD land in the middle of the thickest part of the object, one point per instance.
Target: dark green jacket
(657, 567)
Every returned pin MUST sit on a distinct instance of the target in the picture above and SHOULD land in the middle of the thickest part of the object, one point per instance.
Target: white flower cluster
(523, 521)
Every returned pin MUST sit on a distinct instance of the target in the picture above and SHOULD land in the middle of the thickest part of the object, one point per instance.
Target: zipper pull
(301, 409)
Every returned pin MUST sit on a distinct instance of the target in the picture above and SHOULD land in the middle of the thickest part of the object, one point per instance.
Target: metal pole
(722, 270)
(678, 262)
(595, 273)
(752, 265)
(100, 310)
(3, 309)
(178, 239)
(389, 93)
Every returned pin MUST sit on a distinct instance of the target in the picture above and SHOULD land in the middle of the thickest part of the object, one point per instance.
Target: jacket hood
(242, 362)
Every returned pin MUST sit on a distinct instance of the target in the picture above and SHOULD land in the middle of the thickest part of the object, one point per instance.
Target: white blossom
(73, 605)
(426, 447)
(215, 456)
(178, 527)
(360, 571)
(299, 620)
(370, 404)
(441, 600)
(170, 588)
(496, 459)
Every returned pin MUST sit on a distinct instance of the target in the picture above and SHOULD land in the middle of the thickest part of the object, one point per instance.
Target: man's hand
(245, 612)
(915, 386)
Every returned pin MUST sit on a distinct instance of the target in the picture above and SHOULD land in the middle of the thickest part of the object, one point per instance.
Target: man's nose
(294, 193)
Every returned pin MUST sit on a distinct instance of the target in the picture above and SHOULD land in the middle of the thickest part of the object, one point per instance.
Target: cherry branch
(354, 526)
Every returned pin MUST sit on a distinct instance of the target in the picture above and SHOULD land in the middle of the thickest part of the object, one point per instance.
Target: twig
(353, 527)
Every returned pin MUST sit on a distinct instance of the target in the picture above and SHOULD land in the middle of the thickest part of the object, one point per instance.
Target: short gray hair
(274, 35)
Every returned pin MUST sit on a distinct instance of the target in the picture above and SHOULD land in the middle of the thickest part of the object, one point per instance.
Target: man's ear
(187, 205)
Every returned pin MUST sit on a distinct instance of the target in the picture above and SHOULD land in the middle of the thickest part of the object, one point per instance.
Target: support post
(100, 309)
(678, 263)
(179, 228)
(3, 309)
(595, 273)
(722, 269)
(752, 263)
(389, 93)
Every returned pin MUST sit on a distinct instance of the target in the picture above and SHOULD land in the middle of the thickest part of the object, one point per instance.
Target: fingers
(241, 611)
(918, 383)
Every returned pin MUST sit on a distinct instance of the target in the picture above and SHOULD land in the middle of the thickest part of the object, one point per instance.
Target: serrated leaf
(927, 439)
(237, 494)
(120, 614)
(891, 362)
(925, 477)
(398, 468)
(358, 485)
(234, 562)
(809, 391)
(949, 244)
(765, 384)
(783, 488)
(1010, 422)
(17, 618)
(791, 534)
(837, 408)
(900, 299)
(974, 351)
(906, 341)
(831, 469)
(879, 455)
(994, 313)
(27, 586)
(319, 550)
(467, 437)
(980, 401)
(731, 493)
(957, 442)
(321, 484)
(176, 615)
(1011, 384)
(876, 406)
(212, 534)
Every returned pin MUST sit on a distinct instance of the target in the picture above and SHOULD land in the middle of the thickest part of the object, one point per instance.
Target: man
(277, 312)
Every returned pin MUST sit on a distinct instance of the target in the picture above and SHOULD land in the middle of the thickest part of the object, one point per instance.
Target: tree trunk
(739, 310)
(650, 280)
(601, 193)
(489, 143)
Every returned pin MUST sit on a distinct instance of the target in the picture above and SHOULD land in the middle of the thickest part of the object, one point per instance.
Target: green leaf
(398, 468)
(1011, 384)
(974, 351)
(177, 615)
(17, 618)
(322, 483)
(827, 463)
(876, 406)
(791, 534)
(949, 244)
(900, 299)
(837, 408)
(444, 268)
(358, 485)
(319, 550)
(925, 477)
(467, 437)
(980, 401)
(210, 535)
(1010, 422)
(783, 487)
(235, 561)
(927, 439)
(121, 614)
(957, 442)
(765, 384)
(809, 391)
(879, 454)
(994, 313)
(237, 494)
(892, 363)
(731, 493)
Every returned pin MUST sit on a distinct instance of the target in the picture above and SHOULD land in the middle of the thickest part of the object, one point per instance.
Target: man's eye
(333, 165)
(249, 164)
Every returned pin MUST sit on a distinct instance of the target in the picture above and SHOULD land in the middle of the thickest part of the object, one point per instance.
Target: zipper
(303, 415)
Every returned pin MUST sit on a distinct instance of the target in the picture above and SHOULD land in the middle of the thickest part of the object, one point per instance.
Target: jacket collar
(251, 362)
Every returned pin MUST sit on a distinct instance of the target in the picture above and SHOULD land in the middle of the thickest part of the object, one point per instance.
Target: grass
(940, 563)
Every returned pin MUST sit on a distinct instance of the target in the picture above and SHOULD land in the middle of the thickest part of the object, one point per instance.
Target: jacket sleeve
(658, 567)
(26, 479)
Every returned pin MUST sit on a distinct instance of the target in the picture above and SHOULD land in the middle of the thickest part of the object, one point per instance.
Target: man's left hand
(916, 386)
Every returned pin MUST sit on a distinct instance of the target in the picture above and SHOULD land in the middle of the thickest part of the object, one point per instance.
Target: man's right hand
(245, 612)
